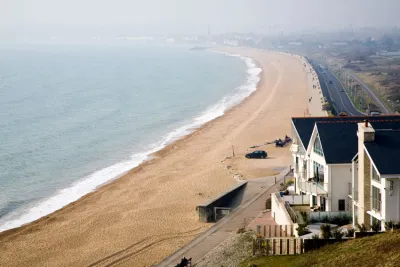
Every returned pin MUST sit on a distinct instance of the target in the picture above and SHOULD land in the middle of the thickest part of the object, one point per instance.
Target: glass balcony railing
(316, 188)
(376, 205)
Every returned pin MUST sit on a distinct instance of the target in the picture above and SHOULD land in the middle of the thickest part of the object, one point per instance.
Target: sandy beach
(147, 214)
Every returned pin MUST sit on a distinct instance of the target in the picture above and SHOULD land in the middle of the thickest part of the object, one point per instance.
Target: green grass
(378, 250)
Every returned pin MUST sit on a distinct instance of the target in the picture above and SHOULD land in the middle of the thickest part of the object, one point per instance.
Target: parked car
(343, 113)
(341, 90)
(375, 113)
(258, 154)
(330, 82)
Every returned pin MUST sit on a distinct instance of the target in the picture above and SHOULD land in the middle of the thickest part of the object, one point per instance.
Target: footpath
(241, 217)
(315, 96)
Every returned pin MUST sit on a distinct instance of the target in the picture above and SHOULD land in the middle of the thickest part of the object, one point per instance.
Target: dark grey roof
(339, 141)
(385, 125)
(385, 150)
(305, 125)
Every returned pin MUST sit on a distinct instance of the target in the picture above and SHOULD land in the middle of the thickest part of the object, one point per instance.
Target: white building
(323, 149)
(376, 175)
(328, 171)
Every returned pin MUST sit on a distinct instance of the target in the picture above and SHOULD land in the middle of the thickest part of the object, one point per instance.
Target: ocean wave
(91, 182)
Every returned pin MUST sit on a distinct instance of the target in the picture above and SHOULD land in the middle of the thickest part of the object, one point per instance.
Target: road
(335, 92)
(223, 229)
(377, 101)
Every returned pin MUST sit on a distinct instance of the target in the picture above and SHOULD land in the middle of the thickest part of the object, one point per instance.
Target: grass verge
(379, 250)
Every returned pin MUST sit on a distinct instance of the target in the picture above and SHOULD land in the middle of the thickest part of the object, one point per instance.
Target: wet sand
(148, 213)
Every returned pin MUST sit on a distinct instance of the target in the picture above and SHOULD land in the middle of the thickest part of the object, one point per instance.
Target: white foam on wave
(89, 183)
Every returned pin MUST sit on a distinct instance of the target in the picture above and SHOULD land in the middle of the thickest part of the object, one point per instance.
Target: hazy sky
(27, 18)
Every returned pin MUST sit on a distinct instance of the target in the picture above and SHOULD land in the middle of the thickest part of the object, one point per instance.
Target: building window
(375, 175)
(317, 146)
(376, 199)
(342, 204)
(318, 172)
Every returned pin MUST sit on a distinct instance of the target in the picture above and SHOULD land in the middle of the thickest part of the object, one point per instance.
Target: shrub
(304, 216)
(376, 227)
(326, 231)
(340, 220)
(302, 229)
(350, 232)
(337, 234)
(325, 219)
(361, 228)
(313, 220)
(315, 236)
(389, 225)
(289, 182)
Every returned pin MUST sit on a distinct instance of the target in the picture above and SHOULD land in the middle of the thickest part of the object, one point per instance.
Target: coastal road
(335, 93)
(378, 102)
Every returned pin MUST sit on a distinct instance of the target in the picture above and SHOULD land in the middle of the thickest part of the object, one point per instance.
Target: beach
(148, 213)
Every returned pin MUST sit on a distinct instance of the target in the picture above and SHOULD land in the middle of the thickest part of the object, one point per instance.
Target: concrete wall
(279, 212)
(391, 201)
(340, 180)
(232, 198)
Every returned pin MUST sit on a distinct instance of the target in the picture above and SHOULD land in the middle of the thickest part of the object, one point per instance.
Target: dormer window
(317, 146)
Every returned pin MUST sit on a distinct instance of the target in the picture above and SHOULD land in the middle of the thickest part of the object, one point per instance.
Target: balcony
(315, 188)
(294, 148)
(376, 205)
(353, 193)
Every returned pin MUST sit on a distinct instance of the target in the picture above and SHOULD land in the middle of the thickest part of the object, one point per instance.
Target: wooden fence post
(301, 245)
(273, 247)
(287, 246)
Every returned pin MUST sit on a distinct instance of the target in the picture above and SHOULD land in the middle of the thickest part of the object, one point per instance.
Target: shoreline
(84, 208)
(148, 154)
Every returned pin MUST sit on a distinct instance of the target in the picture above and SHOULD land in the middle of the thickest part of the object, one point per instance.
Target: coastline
(159, 195)
(108, 174)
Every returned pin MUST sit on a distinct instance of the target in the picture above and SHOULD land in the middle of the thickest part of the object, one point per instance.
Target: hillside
(379, 250)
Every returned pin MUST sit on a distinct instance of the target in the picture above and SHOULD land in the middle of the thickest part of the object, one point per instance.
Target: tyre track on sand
(141, 246)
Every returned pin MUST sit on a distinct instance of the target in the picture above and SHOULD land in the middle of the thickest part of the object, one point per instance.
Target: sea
(73, 118)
